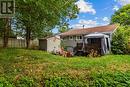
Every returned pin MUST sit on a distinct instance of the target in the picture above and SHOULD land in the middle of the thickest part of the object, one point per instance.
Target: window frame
(79, 37)
(70, 37)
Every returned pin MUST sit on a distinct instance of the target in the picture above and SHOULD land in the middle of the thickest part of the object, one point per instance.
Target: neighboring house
(86, 39)
(50, 44)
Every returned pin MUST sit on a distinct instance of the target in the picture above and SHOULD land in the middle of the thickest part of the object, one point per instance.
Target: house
(84, 40)
(50, 44)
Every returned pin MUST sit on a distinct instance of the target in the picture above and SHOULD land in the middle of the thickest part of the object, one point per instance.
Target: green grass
(29, 68)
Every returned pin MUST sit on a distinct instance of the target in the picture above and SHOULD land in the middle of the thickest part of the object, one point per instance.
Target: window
(65, 38)
(79, 38)
(71, 38)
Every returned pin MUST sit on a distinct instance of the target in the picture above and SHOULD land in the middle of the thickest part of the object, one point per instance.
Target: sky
(94, 13)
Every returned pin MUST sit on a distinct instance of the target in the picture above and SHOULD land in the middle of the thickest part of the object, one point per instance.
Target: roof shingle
(100, 29)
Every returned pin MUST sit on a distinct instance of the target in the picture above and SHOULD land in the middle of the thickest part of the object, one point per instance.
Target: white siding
(53, 44)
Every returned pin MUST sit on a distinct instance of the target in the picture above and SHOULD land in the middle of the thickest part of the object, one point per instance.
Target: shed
(50, 44)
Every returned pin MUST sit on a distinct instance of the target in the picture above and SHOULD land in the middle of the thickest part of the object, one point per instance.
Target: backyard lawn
(31, 68)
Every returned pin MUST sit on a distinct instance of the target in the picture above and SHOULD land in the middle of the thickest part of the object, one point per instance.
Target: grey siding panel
(72, 43)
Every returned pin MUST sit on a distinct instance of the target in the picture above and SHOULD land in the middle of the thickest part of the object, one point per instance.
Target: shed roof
(46, 38)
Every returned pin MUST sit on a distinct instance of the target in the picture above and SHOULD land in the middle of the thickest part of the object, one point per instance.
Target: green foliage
(5, 83)
(33, 68)
(22, 82)
(64, 82)
(25, 82)
(63, 28)
(2, 23)
(120, 40)
(2, 27)
(41, 16)
(38, 17)
(122, 16)
(117, 79)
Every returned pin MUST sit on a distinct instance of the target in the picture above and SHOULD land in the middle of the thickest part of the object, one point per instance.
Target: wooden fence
(14, 43)
(18, 43)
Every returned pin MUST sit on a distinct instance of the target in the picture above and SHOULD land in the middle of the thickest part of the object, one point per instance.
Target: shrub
(120, 41)
(93, 53)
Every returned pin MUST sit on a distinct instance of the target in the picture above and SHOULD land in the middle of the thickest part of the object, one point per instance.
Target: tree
(120, 40)
(2, 23)
(63, 28)
(36, 16)
(122, 16)
(121, 37)
(5, 29)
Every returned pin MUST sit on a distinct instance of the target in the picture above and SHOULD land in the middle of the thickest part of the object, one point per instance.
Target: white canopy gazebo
(105, 41)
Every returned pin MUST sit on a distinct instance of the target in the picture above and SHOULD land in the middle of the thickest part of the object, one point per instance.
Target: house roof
(100, 29)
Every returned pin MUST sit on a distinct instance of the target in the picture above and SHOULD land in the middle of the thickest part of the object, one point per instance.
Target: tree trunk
(28, 38)
(6, 33)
